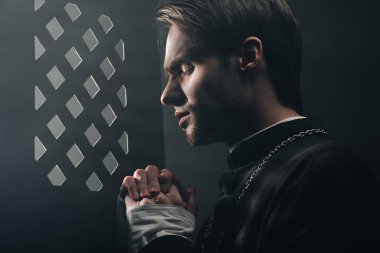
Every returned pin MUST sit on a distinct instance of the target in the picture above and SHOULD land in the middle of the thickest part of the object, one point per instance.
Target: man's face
(203, 91)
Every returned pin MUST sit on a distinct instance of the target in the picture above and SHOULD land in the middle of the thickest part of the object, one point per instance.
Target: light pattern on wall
(57, 78)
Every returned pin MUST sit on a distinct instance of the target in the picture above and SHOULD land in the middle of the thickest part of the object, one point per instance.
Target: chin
(195, 137)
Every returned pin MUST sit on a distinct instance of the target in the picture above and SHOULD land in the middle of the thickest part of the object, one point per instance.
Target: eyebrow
(192, 54)
(175, 63)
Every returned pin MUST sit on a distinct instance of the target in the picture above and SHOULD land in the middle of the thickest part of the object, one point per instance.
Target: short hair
(221, 26)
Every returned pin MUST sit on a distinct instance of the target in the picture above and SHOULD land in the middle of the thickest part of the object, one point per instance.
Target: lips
(183, 117)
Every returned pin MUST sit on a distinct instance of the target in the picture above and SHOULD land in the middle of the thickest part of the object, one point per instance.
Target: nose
(173, 94)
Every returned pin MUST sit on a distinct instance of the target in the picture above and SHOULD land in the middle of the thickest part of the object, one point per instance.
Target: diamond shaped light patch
(109, 115)
(110, 163)
(122, 95)
(93, 183)
(75, 155)
(92, 135)
(38, 4)
(74, 106)
(55, 77)
(120, 50)
(73, 57)
(39, 49)
(39, 148)
(123, 142)
(73, 11)
(55, 29)
(90, 39)
(107, 68)
(56, 177)
(56, 127)
(91, 87)
(39, 98)
(106, 23)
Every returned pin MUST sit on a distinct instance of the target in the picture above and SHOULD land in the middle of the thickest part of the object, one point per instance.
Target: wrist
(148, 222)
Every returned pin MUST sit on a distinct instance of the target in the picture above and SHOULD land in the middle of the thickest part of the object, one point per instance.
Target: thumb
(129, 202)
(191, 205)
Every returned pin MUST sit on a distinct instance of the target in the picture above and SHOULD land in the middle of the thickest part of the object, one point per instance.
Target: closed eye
(180, 71)
(187, 69)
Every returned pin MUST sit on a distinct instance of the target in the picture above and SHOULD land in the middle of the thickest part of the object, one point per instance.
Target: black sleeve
(168, 244)
(328, 208)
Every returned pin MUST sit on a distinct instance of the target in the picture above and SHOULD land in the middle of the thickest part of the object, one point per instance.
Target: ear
(251, 53)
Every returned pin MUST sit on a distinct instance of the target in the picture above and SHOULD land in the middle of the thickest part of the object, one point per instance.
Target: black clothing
(312, 196)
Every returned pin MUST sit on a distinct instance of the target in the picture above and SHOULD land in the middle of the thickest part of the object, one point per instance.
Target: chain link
(248, 183)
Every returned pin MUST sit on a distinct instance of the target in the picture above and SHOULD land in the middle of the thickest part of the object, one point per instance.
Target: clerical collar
(232, 148)
(259, 144)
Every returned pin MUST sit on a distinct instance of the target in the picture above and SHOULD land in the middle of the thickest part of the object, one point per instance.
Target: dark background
(340, 87)
(36, 216)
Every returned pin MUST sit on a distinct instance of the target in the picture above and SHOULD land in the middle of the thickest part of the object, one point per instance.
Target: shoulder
(323, 155)
(324, 164)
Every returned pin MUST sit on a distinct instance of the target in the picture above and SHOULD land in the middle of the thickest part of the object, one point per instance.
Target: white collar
(232, 148)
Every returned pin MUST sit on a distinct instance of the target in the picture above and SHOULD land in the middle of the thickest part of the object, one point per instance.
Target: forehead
(176, 46)
(179, 49)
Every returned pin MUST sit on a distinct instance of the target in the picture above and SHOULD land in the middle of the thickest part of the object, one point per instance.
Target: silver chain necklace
(250, 180)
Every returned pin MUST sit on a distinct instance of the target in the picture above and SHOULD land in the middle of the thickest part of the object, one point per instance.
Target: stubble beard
(199, 133)
(190, 137)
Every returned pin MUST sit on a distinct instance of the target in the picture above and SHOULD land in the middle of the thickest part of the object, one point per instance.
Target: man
(233, 76)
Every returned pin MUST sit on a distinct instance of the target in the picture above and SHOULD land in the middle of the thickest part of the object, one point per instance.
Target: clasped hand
(150, 186)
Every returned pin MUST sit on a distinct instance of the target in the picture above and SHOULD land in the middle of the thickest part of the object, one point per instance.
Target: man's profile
(233, 69)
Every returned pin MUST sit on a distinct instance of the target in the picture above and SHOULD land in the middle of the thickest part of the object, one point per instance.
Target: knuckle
(154, 188)
(166, 172)
(124, 183)
(165, 177)
(139, 173)
(130, 184)
(128, 180)
(160, 198)
(151, 169)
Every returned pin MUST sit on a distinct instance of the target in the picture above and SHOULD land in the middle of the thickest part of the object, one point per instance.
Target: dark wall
(340, 86)
(340, 74)
(35, 215)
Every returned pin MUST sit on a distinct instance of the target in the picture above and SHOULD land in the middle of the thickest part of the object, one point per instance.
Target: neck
(257, 123)
(261, 109)
(232, 148)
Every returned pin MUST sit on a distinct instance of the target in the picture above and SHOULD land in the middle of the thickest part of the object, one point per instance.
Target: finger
(146, 201)
(165, 180)
(142, 183)
(130, 184)
(182, 189)
(175, 196)
(152, 173)
(129, 202)
(191, 203)
(162, 199)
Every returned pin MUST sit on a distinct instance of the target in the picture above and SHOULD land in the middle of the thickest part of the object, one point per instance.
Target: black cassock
(311, 195)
